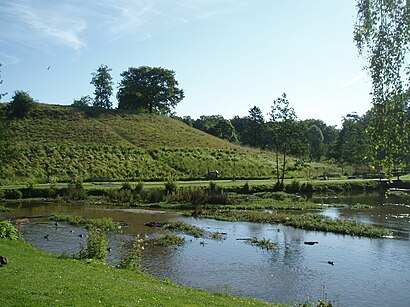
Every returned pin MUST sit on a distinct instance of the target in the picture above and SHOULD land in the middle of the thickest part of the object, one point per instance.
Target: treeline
(310, 140)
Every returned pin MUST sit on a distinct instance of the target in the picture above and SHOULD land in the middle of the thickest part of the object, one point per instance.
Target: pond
(366, 272)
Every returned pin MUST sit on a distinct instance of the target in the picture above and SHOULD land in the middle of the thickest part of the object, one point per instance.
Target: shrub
(139, 187)
(121, 195)
(96, 245)
(8, 231)
(293, 187)
(5, 209)
(246, 189)
(13, 194)
(170, 186)
(131, 258)
(126, 186)
(152, 196)
(20, 105)
(306, 188)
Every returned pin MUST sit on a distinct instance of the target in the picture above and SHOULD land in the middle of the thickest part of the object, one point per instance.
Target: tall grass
(56, 142)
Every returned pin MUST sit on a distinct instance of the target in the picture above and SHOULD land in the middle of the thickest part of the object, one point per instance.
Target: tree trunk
(283, 167)
(277, 167)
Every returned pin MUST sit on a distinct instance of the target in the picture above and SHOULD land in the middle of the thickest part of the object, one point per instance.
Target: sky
(228, 55)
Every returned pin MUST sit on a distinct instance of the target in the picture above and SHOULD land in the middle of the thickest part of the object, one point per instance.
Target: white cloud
(27, 24)
(38, 24)
(354, 80)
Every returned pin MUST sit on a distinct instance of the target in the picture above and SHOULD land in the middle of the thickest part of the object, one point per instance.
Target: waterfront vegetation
(262, 243)
(168, 239)
(303, 221)
(5, 209)
(36, 278)
(186, 229)
(102, 223)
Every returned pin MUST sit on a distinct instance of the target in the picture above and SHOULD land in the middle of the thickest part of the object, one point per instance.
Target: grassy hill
(57, 142)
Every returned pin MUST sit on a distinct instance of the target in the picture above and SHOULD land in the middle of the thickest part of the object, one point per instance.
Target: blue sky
(228, 55)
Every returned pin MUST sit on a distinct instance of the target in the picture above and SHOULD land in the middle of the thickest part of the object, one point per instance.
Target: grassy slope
(56, 141)
(35, 278)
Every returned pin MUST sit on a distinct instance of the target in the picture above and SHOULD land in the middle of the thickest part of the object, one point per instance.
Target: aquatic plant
(168, 239)
(186, 228)
(101, 223)
(303, 221)
(263, 243)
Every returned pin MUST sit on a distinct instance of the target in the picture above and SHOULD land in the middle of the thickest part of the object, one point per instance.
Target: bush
(8, 231)
(152, 196)
(96, 245)
(170, 187)
(139, 187)
(20, 105)
(293, 187)
(121, 195)
(246, 189)
(13, 194)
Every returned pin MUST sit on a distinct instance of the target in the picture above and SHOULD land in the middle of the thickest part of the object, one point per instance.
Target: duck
(311, 242)
(47, 237)
(331, 262)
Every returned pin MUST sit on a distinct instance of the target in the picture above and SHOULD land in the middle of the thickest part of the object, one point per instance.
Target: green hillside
(55, 143)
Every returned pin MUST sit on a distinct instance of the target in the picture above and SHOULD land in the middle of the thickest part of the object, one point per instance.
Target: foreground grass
(36, 278)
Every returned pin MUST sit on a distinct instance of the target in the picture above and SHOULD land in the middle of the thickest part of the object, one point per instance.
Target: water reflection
(367, 272)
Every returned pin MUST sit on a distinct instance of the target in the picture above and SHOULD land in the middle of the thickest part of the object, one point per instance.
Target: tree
(20, 105)
(286, 134)
(149, 88)
(1, 82)
(218, 126)
(352, 143)
(83, 102)
(315, 139)
(103, 83)
(382, 35)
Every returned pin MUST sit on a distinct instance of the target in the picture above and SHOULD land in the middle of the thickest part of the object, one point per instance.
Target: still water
(366, 272)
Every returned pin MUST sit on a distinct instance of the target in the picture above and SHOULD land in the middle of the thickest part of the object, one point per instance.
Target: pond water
(366, 272)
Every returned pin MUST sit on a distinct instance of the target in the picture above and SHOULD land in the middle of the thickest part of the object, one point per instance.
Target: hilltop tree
(20, 105)
(1, 82)
(382, 35)
(150, 89)
(103, 83)
(83, 102)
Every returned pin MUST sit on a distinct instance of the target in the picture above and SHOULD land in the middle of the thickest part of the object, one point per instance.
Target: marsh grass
(263, 243)
(168, 240)
(303, 221)
(105, 224)
(186, 229)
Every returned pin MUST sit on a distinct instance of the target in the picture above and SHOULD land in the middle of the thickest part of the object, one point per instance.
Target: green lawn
(36, 278)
